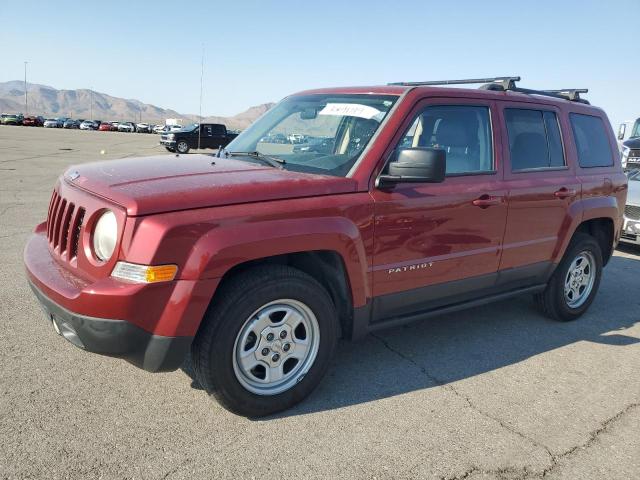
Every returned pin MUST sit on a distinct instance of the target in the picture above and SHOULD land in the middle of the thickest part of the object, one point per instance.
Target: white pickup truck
(629, 143)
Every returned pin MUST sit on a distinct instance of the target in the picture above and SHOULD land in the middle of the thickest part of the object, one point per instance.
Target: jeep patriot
(395, 203)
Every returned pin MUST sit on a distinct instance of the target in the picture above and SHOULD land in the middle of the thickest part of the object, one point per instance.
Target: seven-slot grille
(632, 212)
(64, 222)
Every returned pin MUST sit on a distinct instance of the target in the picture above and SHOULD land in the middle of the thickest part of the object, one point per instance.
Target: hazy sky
(257, 52)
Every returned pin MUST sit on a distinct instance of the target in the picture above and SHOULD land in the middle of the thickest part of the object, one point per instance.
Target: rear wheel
(182, 147)
(266, 340)
(574, 284)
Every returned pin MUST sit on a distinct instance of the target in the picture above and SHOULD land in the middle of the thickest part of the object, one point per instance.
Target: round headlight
(105, 235)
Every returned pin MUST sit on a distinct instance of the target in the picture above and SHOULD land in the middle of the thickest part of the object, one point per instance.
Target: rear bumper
(116, 338)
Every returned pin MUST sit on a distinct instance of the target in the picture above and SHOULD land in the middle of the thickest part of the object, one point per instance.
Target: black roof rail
(505, 84)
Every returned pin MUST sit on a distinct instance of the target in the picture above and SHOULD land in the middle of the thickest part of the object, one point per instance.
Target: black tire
(238, 298)
(182, 146)
(552, 300)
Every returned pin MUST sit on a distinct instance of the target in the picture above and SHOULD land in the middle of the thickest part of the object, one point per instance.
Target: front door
(437, 244)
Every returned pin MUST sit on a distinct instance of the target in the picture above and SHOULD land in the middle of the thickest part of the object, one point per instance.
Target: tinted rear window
(592, 141)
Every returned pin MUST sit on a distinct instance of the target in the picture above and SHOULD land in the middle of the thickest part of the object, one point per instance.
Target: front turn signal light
(144, 273)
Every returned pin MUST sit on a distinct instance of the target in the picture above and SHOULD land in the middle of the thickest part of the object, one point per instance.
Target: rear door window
(534, 139)
(218, 129)
(592, 142)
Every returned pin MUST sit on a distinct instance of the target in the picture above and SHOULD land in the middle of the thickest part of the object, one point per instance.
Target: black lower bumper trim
(116, 338)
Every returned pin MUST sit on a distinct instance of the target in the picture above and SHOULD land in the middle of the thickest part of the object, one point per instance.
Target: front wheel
(574, 284)
(266, 341)
(182, 147)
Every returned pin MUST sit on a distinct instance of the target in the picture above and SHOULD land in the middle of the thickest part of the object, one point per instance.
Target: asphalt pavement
(496, 392)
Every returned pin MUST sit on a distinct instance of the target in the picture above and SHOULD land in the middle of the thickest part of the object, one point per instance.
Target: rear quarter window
(592, 141)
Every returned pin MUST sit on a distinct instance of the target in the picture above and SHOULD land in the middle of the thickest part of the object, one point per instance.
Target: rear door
(542, 188)
(440, 243)
(218, 136)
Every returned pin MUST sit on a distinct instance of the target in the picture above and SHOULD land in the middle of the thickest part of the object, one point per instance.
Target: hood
(632, 142)
(167, 183)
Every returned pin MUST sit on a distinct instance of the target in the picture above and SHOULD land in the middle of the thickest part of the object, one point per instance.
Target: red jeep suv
(339, 212)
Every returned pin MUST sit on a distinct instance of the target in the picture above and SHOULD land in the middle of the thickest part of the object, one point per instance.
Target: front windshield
(322, 133)
(636, 129)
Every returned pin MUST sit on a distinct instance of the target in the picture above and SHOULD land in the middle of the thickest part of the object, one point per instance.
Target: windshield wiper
(269, 160)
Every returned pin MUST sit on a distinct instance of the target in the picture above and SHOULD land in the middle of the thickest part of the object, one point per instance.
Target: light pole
(26, 106)
(91, 104)
(201, 76)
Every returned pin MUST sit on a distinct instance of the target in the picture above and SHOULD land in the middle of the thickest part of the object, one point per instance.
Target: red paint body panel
(208, 218)
(164, 183)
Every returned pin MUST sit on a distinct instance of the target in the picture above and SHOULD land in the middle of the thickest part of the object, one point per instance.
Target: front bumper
(151, 326)
(116, 338)
(630, 231)
(168, 143)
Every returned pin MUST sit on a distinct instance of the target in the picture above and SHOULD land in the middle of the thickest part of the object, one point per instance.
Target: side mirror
(621, 131)
(308, 113)
(416, 165)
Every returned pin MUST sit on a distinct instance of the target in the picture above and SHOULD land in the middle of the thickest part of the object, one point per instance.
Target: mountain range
(84, 103)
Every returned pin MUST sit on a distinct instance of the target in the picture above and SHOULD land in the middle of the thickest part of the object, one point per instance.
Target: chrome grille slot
(64, 223)
(632, 212)
(52, 216)
(74, 234)
(64, 230)
(62, 205)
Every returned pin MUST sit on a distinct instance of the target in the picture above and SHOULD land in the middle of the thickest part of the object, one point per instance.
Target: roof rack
(505, 84)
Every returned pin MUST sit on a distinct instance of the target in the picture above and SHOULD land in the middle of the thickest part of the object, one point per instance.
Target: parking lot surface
(496, 392)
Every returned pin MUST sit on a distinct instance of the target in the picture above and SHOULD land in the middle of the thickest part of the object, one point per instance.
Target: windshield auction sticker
(350, 110)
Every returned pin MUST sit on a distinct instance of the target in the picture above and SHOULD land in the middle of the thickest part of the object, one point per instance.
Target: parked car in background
(33, 121)
(52, 123)
(105, 127)
(12, 119)
(160, 129)
(207, 135)
(631, 227)
(143, 128)
(629, 140)
(88, 125)
(71, 123)
(126, 127)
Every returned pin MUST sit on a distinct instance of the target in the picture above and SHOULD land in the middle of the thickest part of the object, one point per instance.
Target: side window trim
(542, 111)
(562, 147)
(492, 171)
